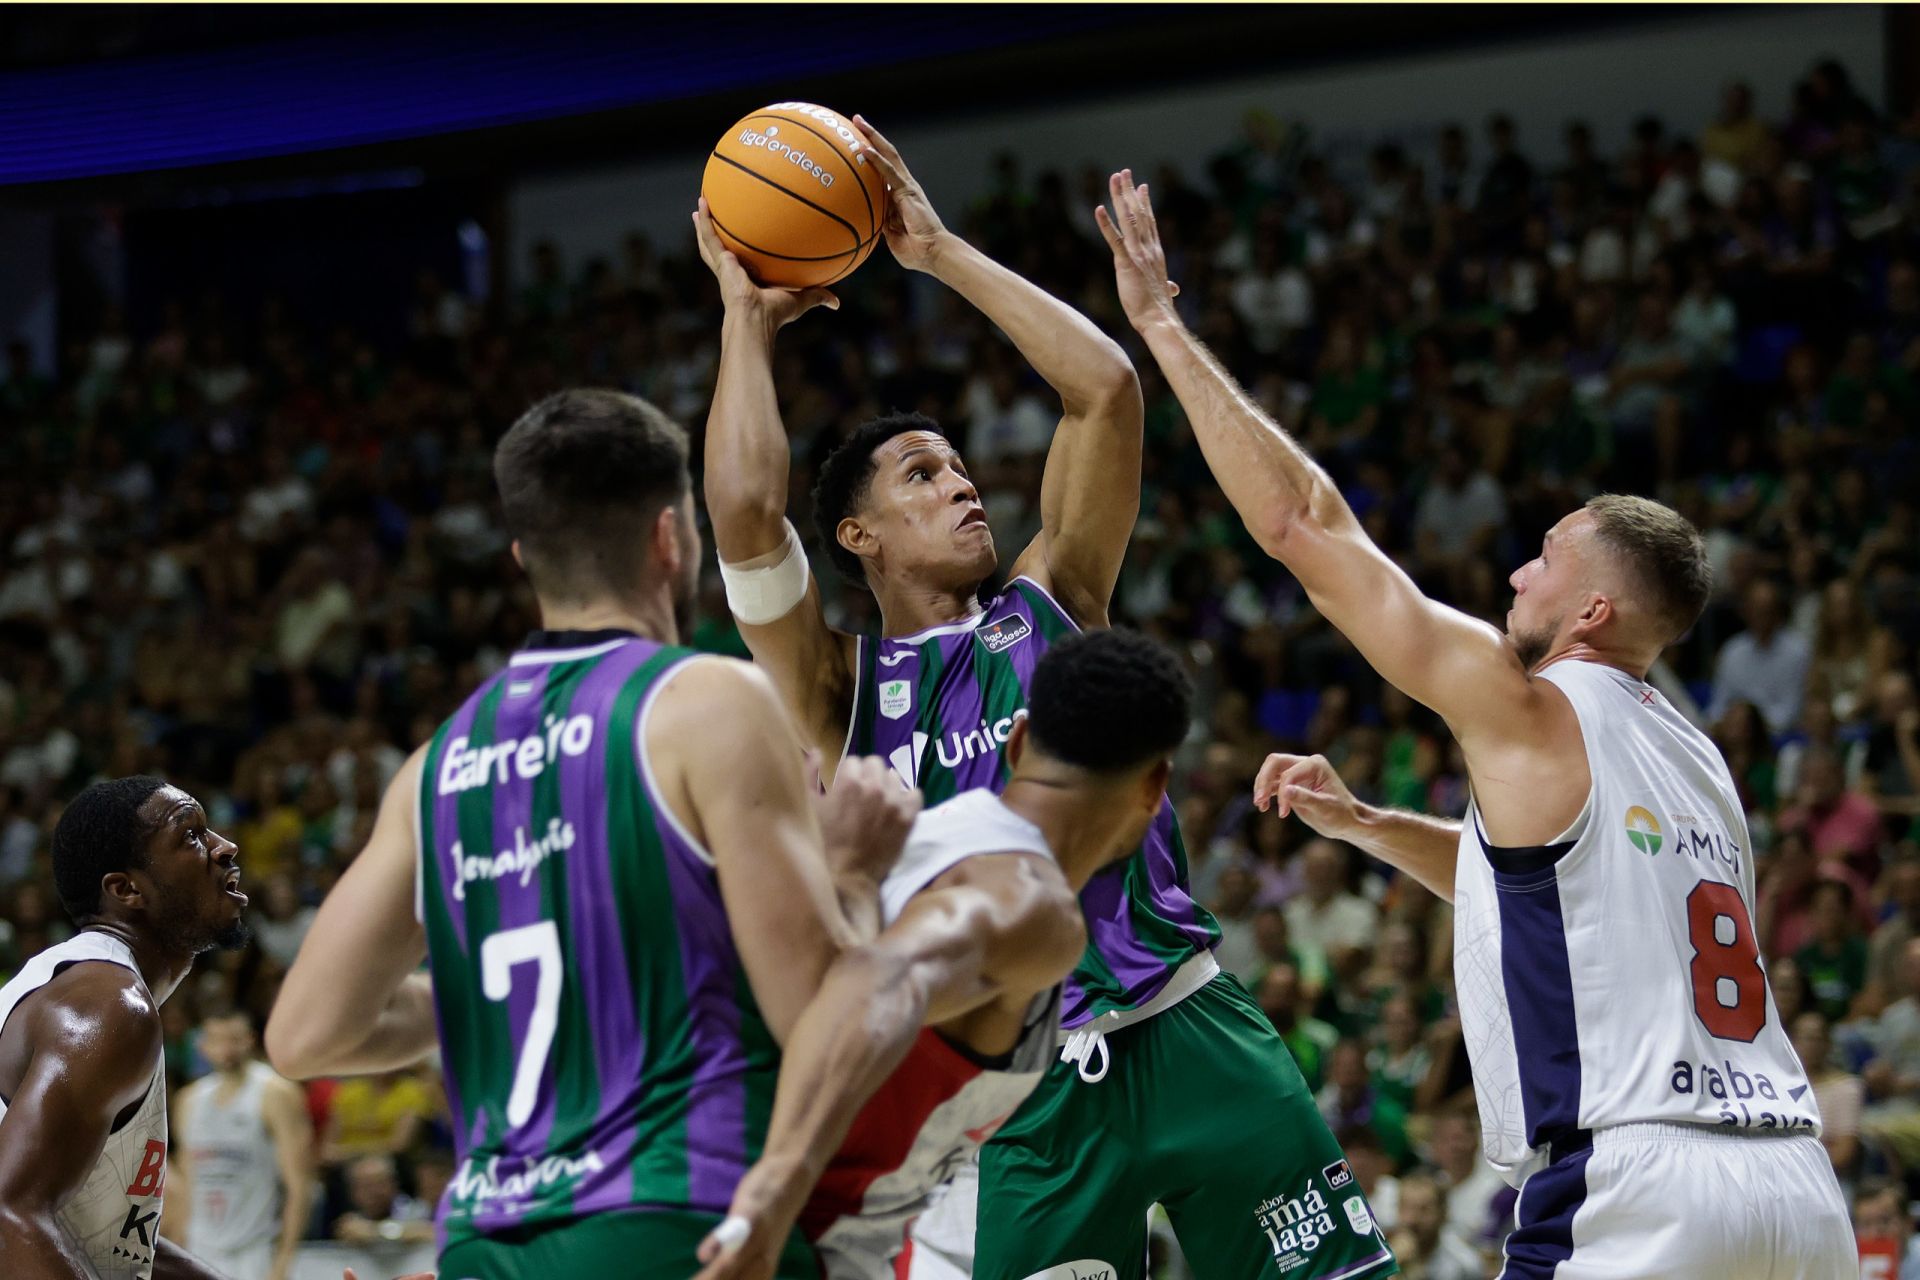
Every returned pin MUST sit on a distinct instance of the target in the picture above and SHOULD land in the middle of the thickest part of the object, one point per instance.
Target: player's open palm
(912, 228)
(738, 290)
(1308, 787)
(1139, 259)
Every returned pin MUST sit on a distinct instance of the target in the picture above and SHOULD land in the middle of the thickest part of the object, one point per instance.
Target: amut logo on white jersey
(955, 748)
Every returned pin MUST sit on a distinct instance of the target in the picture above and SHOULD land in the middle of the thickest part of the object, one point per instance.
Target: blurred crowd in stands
(264, 561)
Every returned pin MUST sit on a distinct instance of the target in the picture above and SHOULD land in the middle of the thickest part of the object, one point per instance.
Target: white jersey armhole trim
(1577, 829)
(419, 846)
(647, 780)
(853, 708)
(545, 657)
(949, 629)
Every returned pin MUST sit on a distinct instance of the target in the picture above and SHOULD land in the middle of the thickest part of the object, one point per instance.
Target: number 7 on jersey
(538, 945)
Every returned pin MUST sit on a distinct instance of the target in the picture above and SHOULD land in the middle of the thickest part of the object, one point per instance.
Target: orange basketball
(793, 194)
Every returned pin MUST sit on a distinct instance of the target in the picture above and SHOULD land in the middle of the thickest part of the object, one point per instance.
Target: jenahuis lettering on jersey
(940, 706)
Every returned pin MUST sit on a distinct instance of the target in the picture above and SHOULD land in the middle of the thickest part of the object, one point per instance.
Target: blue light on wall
(478, 69)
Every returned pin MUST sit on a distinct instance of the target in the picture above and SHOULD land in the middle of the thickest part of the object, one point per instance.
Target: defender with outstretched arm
(1633, 1077)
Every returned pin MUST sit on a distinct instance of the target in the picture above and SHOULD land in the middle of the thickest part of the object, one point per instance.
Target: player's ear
(667, 537)
(1596, 613)
(119, 887)
(1016, 742)
(856, 537)
(1153, 784)
(517, 557)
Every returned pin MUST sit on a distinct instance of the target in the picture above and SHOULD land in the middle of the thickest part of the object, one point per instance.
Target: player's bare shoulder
(1527, 761)
(703, 689)
(97, 1018)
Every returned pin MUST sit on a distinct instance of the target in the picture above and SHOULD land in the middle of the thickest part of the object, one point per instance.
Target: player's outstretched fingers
(1267, 782)
(888, 152)
(1147, 220)
(888, 169)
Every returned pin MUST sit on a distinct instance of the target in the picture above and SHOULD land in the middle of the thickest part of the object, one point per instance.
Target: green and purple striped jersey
(938, 707)
(602, 1047)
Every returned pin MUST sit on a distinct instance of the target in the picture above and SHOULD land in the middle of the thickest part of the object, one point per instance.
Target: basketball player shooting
(1633, 1077)
(936, 695)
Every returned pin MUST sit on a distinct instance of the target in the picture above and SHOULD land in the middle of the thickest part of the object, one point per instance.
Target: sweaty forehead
(907, 443)
(168, 805)
(1570, 527)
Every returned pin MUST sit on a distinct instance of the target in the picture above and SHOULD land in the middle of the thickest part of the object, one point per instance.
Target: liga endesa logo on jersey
(1643, 831)
(1003, 635)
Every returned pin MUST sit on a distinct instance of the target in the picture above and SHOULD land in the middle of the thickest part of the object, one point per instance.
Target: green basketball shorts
(1201, 1111)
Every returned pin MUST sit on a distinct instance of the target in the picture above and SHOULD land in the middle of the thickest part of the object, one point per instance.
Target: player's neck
(908, 609)
(650, 619)
(1635, 665)
(1075, 820)
(161, 969)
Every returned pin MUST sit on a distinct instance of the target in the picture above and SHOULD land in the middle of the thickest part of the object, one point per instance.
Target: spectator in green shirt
(1835, 960)
(1307, 1038)
(1349, 1098)
(1399, 1062)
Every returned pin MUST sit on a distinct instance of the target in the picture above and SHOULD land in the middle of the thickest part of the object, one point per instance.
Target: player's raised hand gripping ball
(794, 194)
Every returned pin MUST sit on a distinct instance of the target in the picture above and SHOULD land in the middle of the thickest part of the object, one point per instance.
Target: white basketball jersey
(940, 1104)
(235, 1186)
(1615, 977)
(115, 1215)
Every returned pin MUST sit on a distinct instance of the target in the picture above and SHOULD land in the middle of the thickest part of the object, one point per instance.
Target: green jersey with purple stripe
(602, 1047)
(938, 707)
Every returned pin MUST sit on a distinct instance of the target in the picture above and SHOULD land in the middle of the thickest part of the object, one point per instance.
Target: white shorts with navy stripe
(1684, 1202)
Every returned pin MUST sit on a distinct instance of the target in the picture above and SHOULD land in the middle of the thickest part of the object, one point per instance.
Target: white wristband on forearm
(760, 592)
(732, 1233)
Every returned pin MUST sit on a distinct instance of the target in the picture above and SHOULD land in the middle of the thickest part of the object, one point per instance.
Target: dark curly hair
(99, 833)
(842, 484)
(1109, 701)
